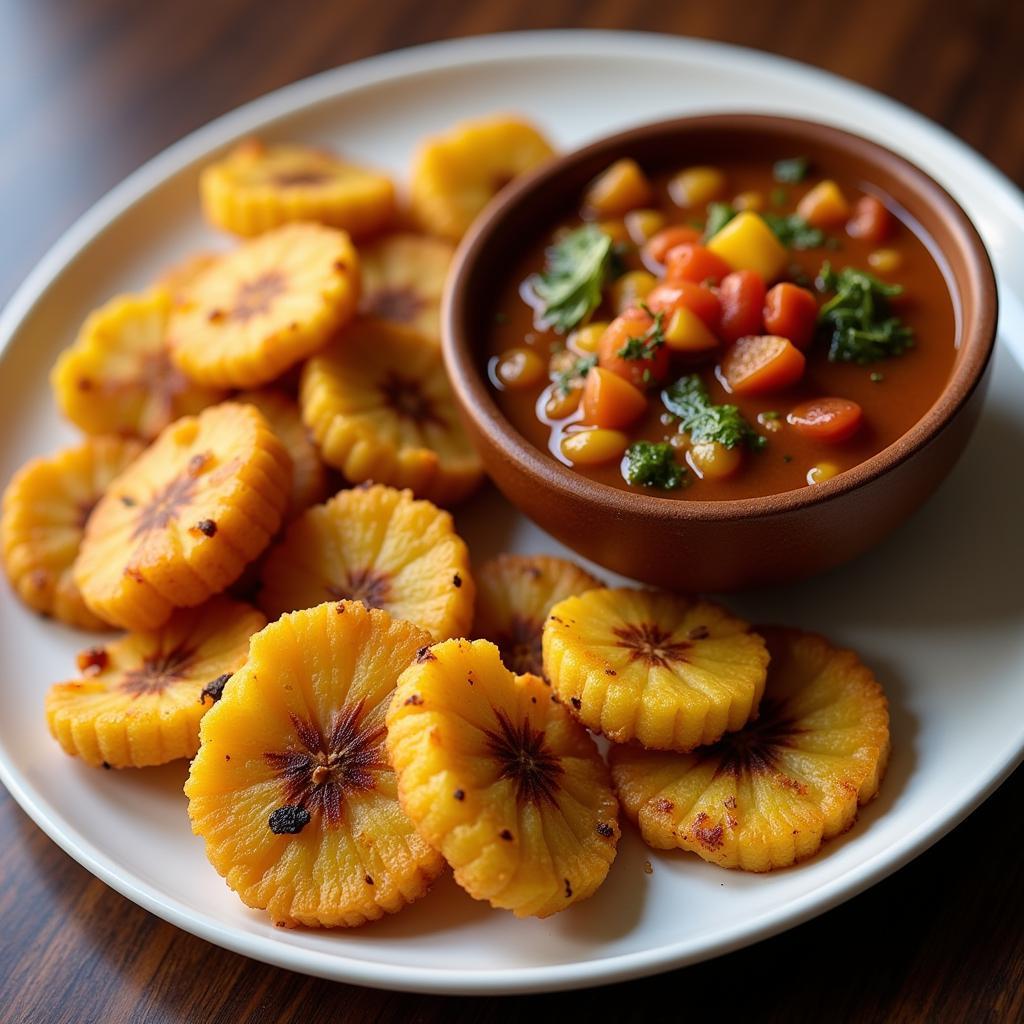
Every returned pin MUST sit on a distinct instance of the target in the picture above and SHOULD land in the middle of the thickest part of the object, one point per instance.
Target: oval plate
(938, 610)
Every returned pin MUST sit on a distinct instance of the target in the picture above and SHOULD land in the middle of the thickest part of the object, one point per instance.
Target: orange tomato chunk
(694, 262)
(827, 419)
(759, 364)
(698, 298)
(870, 221)
(613, 351)
(661, 244)
(611, 401)
(792, 312)
(741, 295)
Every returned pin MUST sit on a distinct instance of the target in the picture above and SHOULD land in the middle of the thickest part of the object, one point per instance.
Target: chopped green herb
(771, 414)
(653, 464)
(791, 171)
(719, 214)
(857, 321)
(703, 420)
(574, 274)
(565, 380)
(877, 378)
(793, 231)
(779, 196)
(649, 342)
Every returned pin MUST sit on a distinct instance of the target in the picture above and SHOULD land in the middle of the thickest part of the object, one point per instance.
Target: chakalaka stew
(725, 331)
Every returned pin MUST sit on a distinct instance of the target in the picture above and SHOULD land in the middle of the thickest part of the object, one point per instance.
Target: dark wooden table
(90, 89)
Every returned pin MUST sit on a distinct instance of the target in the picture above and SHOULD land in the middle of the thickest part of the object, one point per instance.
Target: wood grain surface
(91, 88)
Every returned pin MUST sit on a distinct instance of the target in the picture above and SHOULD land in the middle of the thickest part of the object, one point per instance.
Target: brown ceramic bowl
(724, 545)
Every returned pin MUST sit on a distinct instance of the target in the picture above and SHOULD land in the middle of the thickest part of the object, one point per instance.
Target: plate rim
(303, 95)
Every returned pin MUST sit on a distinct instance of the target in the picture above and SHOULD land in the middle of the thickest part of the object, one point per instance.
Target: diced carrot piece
(741, 295)
(694, 262)
(613, 351)
(658, 247)
(610, 401)
(792, 312)
(824, 206)
(760, 364)
(827, 419)
(697, 297)
(870, 221)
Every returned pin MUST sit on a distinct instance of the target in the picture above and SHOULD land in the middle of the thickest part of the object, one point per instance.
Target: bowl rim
(976, 338)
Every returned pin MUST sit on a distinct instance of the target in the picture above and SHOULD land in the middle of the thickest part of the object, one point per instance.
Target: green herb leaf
(649, 342)
(793, 231)
(857, 321)
(653, 464)
(719, 214)
(791, 171)
(703, 420)
(568, 379)
(574, 274)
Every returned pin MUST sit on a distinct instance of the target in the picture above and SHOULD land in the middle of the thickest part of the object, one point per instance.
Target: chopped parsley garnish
(857, 321)
(791, 171)
(719, 214)
(688, 398)
(649, 342)
(574, 274)
(793, 231)
(577, 371)
(653, 464)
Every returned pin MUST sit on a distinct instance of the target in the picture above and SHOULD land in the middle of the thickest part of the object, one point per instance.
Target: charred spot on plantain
(413, 700)
(401, 304)
(699, 633)
(207, 527)
(459, 794)
(520, 645)
(255, 297)
(166, 504)
(107, 766)
(754, 749)
(289, 820)
(710, 837)
(506, 835)
(214, 689)
(93, 660)
(663, 805)
(525, 759)
(406, 397)
(609, 671)
(128, 501)
(649, 643)
(291, 179)
(368, 879)
(604, 830)
(369, 586)
(576, 702)
(568, 888)
(457, 581)
(425, 654)
(321, 770)
(158, 671)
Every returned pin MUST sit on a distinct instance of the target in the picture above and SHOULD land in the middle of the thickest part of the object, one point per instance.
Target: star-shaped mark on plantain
(525, 759)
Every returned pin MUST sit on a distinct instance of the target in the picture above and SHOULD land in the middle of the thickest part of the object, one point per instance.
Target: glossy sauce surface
(908, 385)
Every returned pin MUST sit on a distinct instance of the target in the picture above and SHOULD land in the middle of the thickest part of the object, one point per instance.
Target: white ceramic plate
(938, 610)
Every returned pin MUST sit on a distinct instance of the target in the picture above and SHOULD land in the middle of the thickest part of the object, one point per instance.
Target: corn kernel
(824, 206)
(592, 447)
(713, 461)
(686, 332)
(520, 368)
(584, 340)
(562, 403)
(623, 187)
(631, 289)
(643, 224)
(749, 201)
(696, 186)
(747, 243)
(821, 472)
(885, 261)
